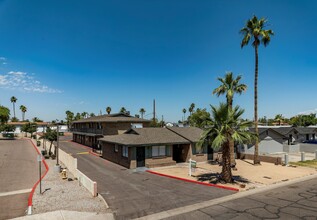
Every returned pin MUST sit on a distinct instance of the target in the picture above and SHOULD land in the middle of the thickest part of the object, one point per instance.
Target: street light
(57, 166)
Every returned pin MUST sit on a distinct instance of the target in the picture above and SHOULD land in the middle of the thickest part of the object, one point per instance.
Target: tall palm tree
(226, 125)
(184, 111)
(229, 86)
(13, 101)
(254, 31)
(108, 110)
(23, 110)
(142, 111)
(191, 108)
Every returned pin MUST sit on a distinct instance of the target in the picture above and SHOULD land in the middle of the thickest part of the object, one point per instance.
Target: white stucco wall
(267, 146)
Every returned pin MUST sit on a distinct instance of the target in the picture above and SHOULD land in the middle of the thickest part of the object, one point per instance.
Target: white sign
(192, 166)
(39, 158)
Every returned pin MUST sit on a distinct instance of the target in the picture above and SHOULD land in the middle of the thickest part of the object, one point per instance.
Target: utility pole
(57, 166)
(154, 110)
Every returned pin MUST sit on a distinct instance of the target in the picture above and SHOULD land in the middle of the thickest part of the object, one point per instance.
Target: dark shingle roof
(145, 136)
(119, 117)
(192, 134)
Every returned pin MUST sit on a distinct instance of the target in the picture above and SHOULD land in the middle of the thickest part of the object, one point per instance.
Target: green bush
(8, 135)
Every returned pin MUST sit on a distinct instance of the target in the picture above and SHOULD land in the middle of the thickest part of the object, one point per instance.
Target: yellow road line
(86, 152)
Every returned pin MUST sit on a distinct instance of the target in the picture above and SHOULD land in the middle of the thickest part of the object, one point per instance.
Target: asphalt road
(18, 174)
(296, 201)
(135, 194)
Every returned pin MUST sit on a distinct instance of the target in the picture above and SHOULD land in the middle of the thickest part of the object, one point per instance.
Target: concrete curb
(30, 202)
(194, 181)
(190, 208)
(103, 199)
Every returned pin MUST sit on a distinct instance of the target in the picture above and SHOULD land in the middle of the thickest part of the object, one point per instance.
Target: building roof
(119, 117)
(192, 134)
(26, 122)
(286, 130)
(146, 136)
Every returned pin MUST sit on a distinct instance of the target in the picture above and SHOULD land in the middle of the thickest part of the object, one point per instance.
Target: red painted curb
(194, 181)
(35, 185)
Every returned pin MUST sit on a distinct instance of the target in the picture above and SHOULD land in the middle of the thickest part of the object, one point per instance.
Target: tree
(29, 128)
(225, 126)
(7, 128)
(78, 116)
(13, 101)
(191, 108)
(36, 119)
(92, 114)
(229, 86)
(23, 110)
(184, 111)
(254, 31)
(4, 114)
(84, 114)
(108, 110)
(279, 118)
(69, 118)
(142, 111)
(51, 136)
(200, 118)
(123, 110)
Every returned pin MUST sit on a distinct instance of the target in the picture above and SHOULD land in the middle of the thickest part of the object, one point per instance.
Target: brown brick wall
(108, 153)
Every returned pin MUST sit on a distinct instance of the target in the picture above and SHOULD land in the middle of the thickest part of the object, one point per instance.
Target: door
(210, 153)
(140, 156)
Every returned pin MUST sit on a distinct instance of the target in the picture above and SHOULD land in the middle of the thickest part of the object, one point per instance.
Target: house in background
(87, 131)
(153, 147)
(277, 139)
(18, 125)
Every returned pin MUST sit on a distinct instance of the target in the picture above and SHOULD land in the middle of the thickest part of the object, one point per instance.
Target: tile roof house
(87, 131)
(153, 147)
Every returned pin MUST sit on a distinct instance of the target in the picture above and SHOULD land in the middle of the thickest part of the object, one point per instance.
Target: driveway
(296, 201)
(133, 194)
(19, 172)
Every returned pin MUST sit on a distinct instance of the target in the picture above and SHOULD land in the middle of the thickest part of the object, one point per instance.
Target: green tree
(23, 110)
(78, 116)
(200, 118)
(230, 86)
(92, 114)
(108, 110)
(279, 118)
(13, 101)
(123, 110)
(84, 114)
(225, 126)
(36, 119)
(51, 136)
(191, 108)
(142, 111)
(7, 128)
(4, 114)
(69, 118)
(254, 31)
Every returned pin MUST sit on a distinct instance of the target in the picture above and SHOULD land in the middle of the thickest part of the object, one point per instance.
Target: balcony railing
(87, 130)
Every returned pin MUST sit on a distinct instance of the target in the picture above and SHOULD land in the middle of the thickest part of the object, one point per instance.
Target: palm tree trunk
(14, 109)
(50, 150)
(231, 142)
(226, 169)
(256, 146)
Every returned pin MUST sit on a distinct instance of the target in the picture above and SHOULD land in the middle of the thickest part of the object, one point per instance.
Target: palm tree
(191, 108)
(23, 110)
(108, 110)
(229, 86)
(279, 118)
(13, 101)
(254, 31)
(142, 111)
(184, 111)
(226, 125)
(84, 114)
(123, 110)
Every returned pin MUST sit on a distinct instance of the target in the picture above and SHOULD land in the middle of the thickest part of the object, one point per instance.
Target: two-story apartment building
(87, 131)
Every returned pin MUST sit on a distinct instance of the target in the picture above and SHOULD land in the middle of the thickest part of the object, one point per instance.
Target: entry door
(140, 156)
(210, 153)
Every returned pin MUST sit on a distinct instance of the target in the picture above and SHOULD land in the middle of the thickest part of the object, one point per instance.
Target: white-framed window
(125, 151)
(158, 151)
(115, 148)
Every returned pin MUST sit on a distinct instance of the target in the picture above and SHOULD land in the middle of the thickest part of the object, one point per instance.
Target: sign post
(192, 166)
(39, 159)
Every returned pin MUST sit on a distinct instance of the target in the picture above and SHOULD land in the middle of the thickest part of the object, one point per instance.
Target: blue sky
(87, 55)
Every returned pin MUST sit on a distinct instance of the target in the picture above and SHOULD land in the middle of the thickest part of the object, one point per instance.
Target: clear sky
(87, 55)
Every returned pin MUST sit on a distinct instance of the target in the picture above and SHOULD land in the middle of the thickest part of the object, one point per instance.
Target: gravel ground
(64, 195)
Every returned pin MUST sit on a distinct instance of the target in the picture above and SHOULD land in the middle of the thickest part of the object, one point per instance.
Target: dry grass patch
(307, 163)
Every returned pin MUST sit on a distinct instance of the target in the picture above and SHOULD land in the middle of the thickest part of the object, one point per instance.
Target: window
(125, 151)
(115, 148)
(158, 151)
